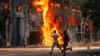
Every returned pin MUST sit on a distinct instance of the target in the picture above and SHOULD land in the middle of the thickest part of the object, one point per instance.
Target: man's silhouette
(55, 41)
(66, 40)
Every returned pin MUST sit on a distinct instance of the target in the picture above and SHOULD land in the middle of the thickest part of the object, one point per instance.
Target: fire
(50, 23)
(38, 4)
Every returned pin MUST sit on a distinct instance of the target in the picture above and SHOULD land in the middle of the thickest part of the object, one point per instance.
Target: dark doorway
(34, 37)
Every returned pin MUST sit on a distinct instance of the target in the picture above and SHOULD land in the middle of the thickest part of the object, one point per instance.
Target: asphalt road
(44, 52)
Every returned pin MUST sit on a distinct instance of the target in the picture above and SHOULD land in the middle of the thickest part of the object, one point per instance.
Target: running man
(55, 41)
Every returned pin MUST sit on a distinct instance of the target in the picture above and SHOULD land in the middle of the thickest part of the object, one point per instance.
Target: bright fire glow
(49, 22)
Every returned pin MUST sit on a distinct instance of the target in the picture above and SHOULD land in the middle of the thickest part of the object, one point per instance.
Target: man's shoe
(50, 52)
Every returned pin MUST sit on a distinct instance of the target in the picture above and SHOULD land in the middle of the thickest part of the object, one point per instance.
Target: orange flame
(49, 22)
(49, 25)
(38, 4)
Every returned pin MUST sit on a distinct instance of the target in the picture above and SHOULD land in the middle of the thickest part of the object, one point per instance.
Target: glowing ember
(49, 22)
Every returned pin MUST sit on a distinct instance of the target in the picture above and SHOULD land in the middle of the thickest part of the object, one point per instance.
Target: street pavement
(44, 51)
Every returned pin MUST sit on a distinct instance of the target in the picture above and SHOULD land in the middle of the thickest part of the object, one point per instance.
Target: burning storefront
(36, 20)
(54, 16)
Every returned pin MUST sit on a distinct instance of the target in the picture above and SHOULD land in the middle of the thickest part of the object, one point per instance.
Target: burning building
(52, 19)
(32, 22)
(55, 16)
